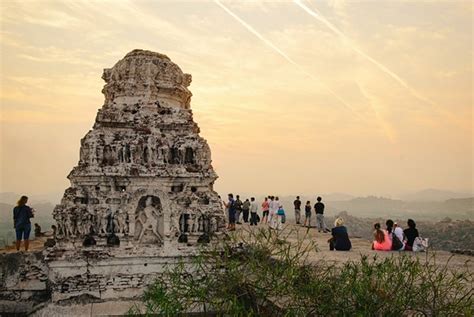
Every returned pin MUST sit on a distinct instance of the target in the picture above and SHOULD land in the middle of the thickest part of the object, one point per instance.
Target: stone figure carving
(144, 144)
(148, 219)
(192, 223)
(173, 225)
(104, 220)
(120, 222)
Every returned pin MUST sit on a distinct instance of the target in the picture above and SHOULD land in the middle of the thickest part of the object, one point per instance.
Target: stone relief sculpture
(144, 174)
(148, 219)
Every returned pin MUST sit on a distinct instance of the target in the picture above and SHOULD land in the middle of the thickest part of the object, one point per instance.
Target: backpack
(396, 243)
(420, 244)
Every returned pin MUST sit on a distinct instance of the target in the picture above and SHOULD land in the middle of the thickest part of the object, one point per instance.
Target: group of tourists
(273, 212)
(393, 237)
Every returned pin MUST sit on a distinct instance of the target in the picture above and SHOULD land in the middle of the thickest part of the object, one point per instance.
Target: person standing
(319, 209)
(253, 212)
(273, 210)
(265, 210)
(21, 222)
(297, 204)
(245, 210)
(307, 214)
(230, 205)
(238, 209)
(280, 215)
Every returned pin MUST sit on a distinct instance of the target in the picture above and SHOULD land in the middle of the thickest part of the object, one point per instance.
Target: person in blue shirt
(340, 238)
(21, 222)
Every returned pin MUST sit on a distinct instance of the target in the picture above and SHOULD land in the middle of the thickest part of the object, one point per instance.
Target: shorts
(308, 214)
(23, 231)
(231, 217)
(265, 213)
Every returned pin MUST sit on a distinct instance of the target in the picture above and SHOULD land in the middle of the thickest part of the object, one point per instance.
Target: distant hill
(371, 206)
(11, 198)
(433, 195)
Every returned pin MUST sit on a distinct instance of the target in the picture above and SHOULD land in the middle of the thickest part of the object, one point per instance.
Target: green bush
(260, 273)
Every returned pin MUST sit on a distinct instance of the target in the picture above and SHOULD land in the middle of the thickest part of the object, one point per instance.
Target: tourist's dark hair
(378, 234)
(22, 201)
(319, 198)
(308, 202)
(411, 223)
(231, 195)
(252, 198)
(237, 196)
(389, 224)
(297, 197)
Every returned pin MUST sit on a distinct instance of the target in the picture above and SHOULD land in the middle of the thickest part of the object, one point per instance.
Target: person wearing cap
(398, 231)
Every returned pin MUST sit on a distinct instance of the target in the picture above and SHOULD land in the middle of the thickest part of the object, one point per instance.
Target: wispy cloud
(318, 16)
(286, 57)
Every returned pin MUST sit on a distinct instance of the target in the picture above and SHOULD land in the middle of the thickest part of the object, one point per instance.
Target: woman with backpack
(397, 244)
(382, 241)
(280, 218)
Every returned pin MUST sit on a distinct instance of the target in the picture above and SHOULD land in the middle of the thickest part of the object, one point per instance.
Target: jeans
(245, 213)
(297, 216)
(253, 218)
(320, 222)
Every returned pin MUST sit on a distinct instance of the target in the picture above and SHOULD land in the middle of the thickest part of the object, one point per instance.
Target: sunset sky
(362, 97)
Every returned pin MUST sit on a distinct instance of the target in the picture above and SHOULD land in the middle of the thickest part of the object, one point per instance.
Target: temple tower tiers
(144, 181)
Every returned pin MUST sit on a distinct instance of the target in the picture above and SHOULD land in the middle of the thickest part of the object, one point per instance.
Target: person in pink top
(265, 210)
(382, 240)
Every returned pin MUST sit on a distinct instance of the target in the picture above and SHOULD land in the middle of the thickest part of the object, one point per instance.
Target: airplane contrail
(323, 20)
(285, 56)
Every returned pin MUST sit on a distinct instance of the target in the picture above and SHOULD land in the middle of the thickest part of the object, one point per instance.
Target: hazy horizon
(364, 98)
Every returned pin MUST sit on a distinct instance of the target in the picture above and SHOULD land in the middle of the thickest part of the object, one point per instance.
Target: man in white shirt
(253, 211)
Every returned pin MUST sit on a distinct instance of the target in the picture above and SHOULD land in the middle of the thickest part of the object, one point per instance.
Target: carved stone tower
(144, 182)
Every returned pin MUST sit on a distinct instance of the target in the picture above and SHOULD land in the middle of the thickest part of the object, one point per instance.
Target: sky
(361, 97)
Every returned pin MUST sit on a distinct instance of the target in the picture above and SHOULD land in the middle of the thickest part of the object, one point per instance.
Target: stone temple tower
(144, 181)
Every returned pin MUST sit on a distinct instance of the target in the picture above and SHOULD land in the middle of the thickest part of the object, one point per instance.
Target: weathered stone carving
(143, 165)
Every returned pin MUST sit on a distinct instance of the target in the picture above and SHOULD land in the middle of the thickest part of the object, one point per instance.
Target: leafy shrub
(261, 273)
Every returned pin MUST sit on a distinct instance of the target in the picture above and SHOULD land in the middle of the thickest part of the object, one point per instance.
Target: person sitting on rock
(382, 241)
(38, 232)
(411, 233)
(340, 238)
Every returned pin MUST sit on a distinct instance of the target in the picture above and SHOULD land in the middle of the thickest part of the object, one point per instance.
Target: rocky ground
(35, 245)
(360, 247)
